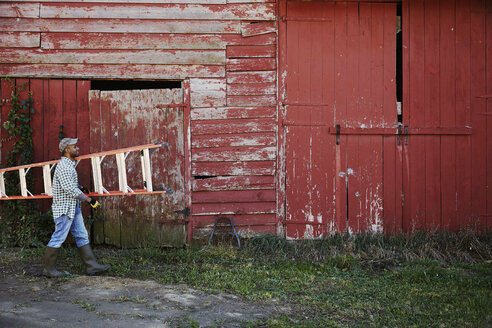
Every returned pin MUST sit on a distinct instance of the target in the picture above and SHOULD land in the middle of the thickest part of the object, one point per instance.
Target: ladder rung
(2, 185)
(120, 161)
(48, 190)
(23, 184)
(97, 176)
(146, 172)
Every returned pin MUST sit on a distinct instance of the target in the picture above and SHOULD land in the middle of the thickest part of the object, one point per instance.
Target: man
(67, 215)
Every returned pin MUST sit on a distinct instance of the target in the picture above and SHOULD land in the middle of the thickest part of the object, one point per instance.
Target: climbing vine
(21, 222)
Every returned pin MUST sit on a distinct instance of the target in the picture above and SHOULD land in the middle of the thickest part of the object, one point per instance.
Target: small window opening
(399, 64)
(110, 85)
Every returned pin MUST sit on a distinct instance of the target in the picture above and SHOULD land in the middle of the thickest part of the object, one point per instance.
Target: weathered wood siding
(227, 51)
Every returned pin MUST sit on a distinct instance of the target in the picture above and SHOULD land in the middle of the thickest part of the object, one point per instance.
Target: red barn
(300, 118)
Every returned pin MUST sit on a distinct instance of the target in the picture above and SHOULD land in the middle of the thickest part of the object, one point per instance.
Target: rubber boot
(49, 262)
(90, 262)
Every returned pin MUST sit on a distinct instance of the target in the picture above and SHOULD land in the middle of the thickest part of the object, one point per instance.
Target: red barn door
(339, 68)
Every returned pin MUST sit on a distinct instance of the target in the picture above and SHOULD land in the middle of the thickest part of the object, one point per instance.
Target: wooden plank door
(340, 67)
(130, 118)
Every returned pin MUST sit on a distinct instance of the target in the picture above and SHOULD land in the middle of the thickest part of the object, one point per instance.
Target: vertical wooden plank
(110, 101)
(126, 138)
(53, 118)
(352, 112)
(447, 85)
(36, 88)
(6, 91)
(94, 128)
(463, 103)
(432, 117)
(82, 132)
(327, 148)
(281, 88)
(341, 87)
(415, 202)
(391, 175)
(489, 115)
(478, 107)
(69, 108)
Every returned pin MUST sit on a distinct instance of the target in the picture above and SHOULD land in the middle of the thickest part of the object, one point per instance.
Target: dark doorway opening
(110, 85)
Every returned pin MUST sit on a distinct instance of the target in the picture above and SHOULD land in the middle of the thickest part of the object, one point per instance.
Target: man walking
(67, 197)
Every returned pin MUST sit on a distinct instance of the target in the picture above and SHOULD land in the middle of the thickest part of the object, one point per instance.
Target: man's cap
(66, 142)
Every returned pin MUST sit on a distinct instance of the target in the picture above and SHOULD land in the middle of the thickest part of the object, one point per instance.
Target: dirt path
(29, 300)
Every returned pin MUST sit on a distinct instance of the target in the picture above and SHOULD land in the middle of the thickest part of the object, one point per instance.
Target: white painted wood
(97, 176)
(135, 57)
(143, 1)
(119, 26)
(23, 184)
(25, 10)
(146, 172)
(73, 71)
(120, 161)
(166, 11)
(20, 39)
(208, 92)
(2, 185)
(48, 190)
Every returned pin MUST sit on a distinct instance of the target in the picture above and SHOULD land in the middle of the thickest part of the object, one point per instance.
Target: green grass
(420, 280)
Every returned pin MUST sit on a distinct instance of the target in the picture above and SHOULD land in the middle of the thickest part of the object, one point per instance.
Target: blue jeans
(64, 224)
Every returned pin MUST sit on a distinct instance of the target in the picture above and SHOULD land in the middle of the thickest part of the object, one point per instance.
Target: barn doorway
(131, 117)
(342, 170)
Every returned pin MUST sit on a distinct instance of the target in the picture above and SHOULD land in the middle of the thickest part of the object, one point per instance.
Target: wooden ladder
(96, 160)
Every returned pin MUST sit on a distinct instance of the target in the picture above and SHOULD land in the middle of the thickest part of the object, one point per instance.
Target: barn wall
(225, 49)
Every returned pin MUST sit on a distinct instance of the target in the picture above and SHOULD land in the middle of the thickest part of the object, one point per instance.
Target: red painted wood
(229, 140)
(354, 195)
(250, 64)
(414, 205)
(250, 51)
(240, 196)
(432, 117)
(341, 83)
(233, 168)
(488, 18)
(463, 102)
(392, 178)
(478, 106)
(6, 92)
(233, 126)
(234, 183)
(448, 107)
(69, 108)
(232, 208)
(239, 220)
(36, 88)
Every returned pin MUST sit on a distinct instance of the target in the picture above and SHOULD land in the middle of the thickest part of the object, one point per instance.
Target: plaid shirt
(65, 189)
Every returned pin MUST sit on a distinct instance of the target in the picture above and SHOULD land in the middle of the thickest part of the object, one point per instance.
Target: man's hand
(94, 203)
(84, 190)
